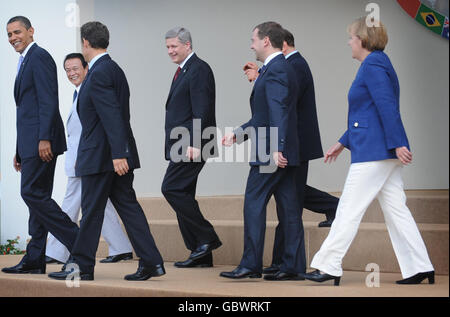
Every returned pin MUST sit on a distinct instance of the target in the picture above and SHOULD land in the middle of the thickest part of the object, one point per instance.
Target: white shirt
(185, 60)
(96, 58)
(290, 54)
(271, 56)
(24, 53)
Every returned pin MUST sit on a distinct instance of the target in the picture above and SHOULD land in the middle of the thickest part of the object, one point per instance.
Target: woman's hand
(333, 152)
(404, 155)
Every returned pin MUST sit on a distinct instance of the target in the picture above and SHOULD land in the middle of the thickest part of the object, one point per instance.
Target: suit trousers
(260, 187)
(301, 175)
(365, 182)
(179, 187)
(96, 189)
(319, 201)
(111, 229)
(45, 214)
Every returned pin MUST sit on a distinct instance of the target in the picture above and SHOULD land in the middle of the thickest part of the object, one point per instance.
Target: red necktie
(177, 73)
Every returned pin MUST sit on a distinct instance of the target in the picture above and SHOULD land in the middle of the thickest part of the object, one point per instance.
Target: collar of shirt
(96, 58)
(271, 56)
(78, 88)
(290, 54)
(185, 60)
(27, 49)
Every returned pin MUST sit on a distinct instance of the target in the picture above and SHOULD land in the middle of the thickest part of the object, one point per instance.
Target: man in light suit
(310, 144)
(40, 139)
(119, 246)
(107, 156)
(273, 104)
(190, 109)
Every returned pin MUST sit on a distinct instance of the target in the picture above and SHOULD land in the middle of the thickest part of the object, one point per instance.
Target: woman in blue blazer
(379, 147)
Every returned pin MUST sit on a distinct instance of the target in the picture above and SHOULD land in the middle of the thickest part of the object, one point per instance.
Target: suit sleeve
(344, 140)
(46, 83)
(202, 94)
(109, 111)
(382, 93)
(277, 94)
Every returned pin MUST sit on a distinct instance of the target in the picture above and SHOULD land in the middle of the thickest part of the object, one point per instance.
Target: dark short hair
(289, 38)
(24, 20)
(96, 34)
(75, 55)
(273, 31)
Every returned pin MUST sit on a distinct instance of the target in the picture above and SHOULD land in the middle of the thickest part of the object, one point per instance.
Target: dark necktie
(75, 93)
(177, 73)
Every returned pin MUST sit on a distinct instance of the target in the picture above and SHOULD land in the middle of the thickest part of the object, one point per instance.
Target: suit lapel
(98, 62)
(181, 76)
(19, 75)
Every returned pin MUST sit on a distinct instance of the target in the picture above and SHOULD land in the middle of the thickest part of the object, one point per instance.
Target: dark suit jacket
(104, 111)
(308, 125)
(273, 104)
(192, 96)
(36, 95)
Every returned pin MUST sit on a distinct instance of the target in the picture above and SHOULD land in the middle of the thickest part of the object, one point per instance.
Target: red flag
(410, 6)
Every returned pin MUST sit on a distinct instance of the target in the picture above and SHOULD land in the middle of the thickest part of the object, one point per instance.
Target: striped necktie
(20, 64)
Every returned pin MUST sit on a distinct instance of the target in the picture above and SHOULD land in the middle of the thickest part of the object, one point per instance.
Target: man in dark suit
(40, 139)
(274, 122)
(309, 137)
(107, 156)
(190, 114)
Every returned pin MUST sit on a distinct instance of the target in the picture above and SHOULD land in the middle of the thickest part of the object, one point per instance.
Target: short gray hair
(181, 33)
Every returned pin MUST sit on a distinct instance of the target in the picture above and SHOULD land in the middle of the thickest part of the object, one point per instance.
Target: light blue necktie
(20, 63)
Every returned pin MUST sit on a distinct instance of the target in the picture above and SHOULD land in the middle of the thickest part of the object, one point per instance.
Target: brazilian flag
(431, 19)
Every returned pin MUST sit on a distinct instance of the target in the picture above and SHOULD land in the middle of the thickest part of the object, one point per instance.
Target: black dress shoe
(274, 268)
(204, 249)
(117, 258)
(316, 276)
(50, 260)
(241, 272)
(70, 274)
(326, 223)
(24, 268)
(418, 278)
(145, 272)
(206, 261)
(283, 276)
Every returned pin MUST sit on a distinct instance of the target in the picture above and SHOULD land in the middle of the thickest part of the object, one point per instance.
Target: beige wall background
(221, 33)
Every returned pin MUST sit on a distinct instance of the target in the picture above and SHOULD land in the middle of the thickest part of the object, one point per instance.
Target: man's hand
(121, 166)
(251, 70)
(16, 165)
(333, 152)
(45, 150)
(192, 153)
(404, 155)
(228, 139)
(279, 159)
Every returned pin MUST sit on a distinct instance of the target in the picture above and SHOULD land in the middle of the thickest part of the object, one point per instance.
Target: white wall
(221, 35)
(48, 18)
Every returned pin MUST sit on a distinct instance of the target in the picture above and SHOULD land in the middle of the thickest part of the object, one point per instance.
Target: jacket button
(356, 124)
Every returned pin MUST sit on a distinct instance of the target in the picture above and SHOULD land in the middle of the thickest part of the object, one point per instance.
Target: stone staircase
(430, 209)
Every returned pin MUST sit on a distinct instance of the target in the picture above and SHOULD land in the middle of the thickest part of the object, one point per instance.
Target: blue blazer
(374, 126)
(104, 111)
(36, 95)
(192, 96)
(310, 145)
(273, 104)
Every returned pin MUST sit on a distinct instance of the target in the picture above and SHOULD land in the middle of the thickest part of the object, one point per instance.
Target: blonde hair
(372, 38)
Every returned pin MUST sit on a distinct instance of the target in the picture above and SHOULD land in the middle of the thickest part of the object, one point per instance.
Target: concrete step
(427, 206)
(371, 245)
(189, 283)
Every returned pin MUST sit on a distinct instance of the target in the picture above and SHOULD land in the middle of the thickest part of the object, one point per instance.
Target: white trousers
(365, 182)
(111, 230)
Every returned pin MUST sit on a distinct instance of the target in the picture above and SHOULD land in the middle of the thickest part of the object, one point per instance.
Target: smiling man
(40, 139)
(192, 97)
